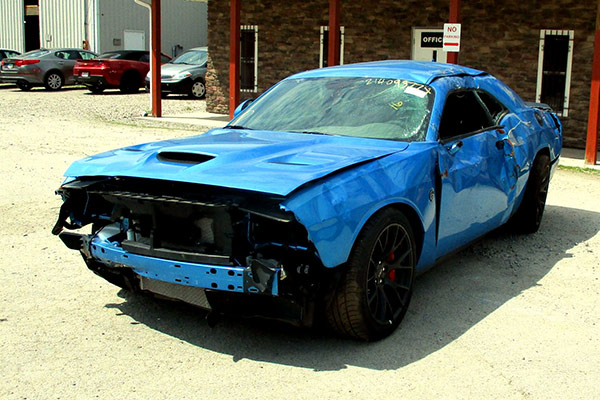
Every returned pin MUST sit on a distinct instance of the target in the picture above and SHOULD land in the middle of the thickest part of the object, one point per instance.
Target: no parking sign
(451, 40)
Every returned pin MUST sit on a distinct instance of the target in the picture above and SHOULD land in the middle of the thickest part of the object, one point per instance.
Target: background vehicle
(4, 53)
(50, 68)
(123, 69)
(185, 74)
(329, 192)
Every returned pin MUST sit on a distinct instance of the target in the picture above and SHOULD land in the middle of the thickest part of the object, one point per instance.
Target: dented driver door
(475, 183)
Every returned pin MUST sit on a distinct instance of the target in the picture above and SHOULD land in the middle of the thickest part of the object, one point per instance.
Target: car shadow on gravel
(448, 300)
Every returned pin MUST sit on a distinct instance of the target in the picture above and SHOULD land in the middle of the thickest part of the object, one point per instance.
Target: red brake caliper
(392, 272)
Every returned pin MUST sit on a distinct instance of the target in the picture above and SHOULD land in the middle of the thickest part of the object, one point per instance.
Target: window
(463, 114)
(87, 55)
(249, 58)
(495, 108)
(324, 41)
(554, 70)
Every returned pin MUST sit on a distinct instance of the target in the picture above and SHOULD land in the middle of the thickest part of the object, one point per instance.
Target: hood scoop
(184, 158)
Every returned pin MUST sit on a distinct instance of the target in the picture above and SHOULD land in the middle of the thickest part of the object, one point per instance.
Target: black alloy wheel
(374, 292)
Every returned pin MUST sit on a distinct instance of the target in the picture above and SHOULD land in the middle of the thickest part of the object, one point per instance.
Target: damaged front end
(220, 249)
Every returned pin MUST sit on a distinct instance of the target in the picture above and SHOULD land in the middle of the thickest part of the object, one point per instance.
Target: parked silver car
(185, 74)
(50, 68)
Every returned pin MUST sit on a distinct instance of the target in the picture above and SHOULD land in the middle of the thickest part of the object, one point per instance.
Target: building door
(134, 40)
(32, 25)
(427, 45)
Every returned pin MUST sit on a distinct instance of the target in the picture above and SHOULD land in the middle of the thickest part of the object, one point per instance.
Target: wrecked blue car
(320, 200)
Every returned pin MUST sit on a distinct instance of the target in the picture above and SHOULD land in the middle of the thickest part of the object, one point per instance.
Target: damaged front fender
(334, 211)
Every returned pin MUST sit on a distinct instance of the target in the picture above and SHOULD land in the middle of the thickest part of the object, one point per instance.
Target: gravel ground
(513, 317)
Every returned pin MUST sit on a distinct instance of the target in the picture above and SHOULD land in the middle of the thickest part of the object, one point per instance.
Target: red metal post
(333, 55)
(454, 18)
(234, 56)
(155, 59)
(591, 146)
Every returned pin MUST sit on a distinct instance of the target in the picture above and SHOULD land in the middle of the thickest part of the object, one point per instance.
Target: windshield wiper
(237, 127)
(310, 132)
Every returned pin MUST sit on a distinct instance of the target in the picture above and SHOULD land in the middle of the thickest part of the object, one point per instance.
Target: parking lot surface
(512, 317)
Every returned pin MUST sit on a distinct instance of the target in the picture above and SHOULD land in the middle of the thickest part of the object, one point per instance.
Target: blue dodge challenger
(321, 199)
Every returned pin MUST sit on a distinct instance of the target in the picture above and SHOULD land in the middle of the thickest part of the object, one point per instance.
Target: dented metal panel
(240, 159)
(334, 211)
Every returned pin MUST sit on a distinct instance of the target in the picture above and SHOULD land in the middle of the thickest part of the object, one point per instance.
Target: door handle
(452, 150)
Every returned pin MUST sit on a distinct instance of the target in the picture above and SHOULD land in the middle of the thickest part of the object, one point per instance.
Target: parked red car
(123, 69)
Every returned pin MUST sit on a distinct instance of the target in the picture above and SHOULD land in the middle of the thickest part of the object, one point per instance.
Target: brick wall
(501, 37)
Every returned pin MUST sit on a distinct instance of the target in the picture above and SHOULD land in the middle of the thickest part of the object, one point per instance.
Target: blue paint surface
(334, 184)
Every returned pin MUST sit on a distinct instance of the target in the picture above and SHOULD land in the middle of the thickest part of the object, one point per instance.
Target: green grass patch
(588, 171)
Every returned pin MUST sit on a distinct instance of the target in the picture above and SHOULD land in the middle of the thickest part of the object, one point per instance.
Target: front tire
(130, 83)
(53, 81)
(197, 90)
(374, 292)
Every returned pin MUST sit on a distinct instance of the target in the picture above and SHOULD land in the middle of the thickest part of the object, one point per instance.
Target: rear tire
(528, 217)
(53, 81)
(96, 89)
(374, 292)
(130, 82)
(24, 85)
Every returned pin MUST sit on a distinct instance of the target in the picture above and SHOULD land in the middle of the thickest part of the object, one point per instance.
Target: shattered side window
(347, 106)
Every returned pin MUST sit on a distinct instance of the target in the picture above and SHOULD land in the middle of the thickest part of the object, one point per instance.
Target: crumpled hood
(263, 161)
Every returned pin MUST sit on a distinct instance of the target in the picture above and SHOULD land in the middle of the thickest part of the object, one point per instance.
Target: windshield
(361, 107)
(194, 57)
(114, 55)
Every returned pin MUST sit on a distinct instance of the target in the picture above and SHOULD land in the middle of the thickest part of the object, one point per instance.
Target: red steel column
(591, 146)
(234, 55)
(333, 55)
(155, 60)
(454, 18)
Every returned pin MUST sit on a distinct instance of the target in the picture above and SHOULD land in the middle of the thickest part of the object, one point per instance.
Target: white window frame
(325, 30)
(538, 94)
(255, 29)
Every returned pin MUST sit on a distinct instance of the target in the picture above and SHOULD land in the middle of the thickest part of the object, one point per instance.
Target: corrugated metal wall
(62, 23)
(116, 16)
(184, 23)
(11, 25)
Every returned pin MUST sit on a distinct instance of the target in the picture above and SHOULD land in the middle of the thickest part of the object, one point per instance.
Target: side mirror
(243, 105)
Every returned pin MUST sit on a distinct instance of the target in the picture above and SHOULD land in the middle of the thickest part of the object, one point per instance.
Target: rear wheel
(24, 85)
(528, 217)
(198, 90)
(373, 294)
(130, 82)
(54, 81)
(97, 88)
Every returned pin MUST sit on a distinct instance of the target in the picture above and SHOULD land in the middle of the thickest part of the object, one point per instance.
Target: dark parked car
(50, 68)
(327, 194)
(4, 53)
(185, 74)
(123, 69)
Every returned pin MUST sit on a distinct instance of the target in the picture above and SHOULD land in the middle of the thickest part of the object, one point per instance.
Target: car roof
(423, 72)
(198, 49)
